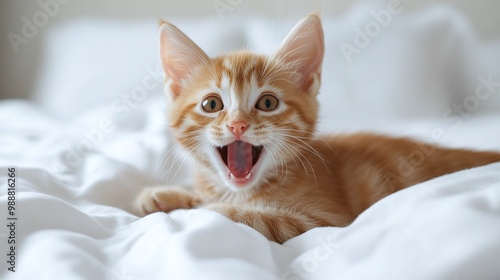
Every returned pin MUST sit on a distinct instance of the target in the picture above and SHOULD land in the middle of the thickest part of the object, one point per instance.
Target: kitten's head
(242, 115)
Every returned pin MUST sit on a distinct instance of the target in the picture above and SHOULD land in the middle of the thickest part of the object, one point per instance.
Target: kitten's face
(242, 115)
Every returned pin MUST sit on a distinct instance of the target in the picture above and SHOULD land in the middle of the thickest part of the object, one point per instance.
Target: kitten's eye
(267, 103)
(212, 104)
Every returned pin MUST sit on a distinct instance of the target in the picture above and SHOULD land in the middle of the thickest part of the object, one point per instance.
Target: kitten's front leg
(165, 199)
(276, 224)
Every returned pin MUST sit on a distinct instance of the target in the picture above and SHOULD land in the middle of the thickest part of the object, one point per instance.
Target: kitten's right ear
(179, 57)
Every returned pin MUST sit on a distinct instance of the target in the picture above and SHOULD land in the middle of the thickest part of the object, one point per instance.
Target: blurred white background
(20, 70)
(87, 129)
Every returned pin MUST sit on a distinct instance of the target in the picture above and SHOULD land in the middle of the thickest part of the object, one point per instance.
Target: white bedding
(80, 161)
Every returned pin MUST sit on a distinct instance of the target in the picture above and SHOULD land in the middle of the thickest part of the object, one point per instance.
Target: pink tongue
(239, 158)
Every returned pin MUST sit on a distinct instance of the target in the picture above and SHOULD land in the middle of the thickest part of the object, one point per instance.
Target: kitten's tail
(428, 161)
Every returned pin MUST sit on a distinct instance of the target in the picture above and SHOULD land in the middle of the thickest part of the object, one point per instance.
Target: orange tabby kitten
(249, 122)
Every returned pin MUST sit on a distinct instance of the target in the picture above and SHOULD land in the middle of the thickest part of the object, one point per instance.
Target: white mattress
(82, 155)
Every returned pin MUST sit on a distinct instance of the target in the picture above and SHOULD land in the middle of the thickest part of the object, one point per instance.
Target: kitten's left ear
(180, 57)
(303, 50)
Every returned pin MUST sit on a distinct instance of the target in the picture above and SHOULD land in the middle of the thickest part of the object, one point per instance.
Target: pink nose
(237, 128)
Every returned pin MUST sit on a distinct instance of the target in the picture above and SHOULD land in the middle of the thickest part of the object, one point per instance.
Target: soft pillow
(380, 61)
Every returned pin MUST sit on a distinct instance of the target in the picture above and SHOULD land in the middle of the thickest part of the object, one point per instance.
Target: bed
(95, 135)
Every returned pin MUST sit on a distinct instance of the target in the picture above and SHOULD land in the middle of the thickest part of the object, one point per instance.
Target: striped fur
(302, 180)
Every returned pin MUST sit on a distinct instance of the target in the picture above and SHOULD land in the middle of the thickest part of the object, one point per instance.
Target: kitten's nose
(237, 128)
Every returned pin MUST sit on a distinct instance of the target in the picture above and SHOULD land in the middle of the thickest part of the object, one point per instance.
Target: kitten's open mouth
(240, 158)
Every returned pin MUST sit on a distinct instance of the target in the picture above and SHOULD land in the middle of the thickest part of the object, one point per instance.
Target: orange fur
(303, 180)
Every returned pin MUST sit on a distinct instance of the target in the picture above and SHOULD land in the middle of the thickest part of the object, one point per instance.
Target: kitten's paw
(164, 199)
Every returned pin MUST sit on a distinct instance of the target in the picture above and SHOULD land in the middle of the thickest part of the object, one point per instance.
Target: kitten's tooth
(234, 178)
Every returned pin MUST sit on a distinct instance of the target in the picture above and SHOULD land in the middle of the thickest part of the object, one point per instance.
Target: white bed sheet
(74, 187)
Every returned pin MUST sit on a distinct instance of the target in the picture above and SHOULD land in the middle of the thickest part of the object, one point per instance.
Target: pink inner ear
(304, 47)
(179, 55)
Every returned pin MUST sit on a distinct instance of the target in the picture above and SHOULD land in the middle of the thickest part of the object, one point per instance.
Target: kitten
(249, 122)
